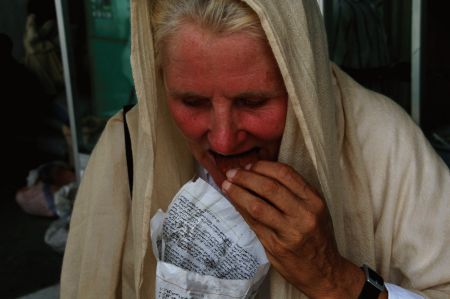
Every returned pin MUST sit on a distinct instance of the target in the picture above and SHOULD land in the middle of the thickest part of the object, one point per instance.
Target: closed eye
(250, 102)
(196, 101)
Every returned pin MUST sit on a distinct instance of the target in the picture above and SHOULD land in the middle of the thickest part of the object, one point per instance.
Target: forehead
(195, 54)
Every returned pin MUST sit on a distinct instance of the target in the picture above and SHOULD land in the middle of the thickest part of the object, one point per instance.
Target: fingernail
(231, 173)
(226, 185)
(248, 166)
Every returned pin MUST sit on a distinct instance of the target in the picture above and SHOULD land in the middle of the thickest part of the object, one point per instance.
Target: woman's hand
(293, 223)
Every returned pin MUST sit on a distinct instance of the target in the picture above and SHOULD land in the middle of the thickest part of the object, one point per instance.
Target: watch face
(373, 277)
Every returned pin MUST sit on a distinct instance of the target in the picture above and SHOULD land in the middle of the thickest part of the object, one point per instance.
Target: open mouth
(227, 162)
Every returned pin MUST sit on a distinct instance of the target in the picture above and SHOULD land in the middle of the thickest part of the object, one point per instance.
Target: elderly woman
(329, 175)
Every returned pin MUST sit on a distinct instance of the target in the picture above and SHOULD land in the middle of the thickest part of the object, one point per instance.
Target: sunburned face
(227, 96)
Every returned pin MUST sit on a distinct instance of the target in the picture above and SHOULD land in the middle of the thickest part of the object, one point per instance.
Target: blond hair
(217, 16)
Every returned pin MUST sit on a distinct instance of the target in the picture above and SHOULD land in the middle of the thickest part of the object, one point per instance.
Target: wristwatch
(373, 286)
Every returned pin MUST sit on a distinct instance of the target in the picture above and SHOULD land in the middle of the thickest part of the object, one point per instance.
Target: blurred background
(64, 70)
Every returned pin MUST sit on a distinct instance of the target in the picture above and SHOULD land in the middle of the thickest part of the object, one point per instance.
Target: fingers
(284, 174)
(291, 179)
(276, 233)
(276, 196)
(266, 188)
(252, 208)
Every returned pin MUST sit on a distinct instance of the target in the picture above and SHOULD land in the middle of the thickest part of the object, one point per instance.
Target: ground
(27, 263)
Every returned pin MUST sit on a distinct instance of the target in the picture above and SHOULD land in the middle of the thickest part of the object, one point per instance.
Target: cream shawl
(386, 189)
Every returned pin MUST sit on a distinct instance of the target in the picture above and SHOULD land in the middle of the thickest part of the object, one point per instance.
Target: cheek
(192, 125)
(268, 125)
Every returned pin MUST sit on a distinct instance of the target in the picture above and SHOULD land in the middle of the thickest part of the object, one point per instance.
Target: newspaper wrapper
(204, 247)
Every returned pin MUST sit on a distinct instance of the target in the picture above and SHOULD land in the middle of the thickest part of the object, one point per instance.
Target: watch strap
(373, 285)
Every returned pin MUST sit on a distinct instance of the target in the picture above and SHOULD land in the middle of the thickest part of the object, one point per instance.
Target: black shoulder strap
(128, 150)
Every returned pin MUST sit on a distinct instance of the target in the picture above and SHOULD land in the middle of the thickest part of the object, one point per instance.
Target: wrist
(352, 281)
(347, 282)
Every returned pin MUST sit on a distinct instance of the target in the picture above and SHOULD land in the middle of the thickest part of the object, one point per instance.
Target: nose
(225, 136)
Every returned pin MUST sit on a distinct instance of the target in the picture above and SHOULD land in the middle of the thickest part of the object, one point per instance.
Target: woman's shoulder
(106, 170)
(396, 154)
(380, 124)
(112, 139)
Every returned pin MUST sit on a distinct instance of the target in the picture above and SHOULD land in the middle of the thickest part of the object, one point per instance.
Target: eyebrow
(247, 94)
(187, 94)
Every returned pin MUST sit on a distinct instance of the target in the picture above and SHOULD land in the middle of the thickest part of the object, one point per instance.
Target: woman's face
(226, 95)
